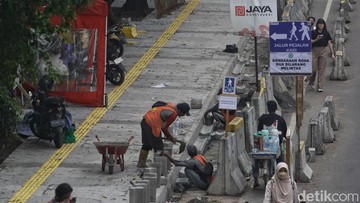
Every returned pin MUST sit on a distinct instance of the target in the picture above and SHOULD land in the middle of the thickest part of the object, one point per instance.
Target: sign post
(251, 18)
(228, 99)
(290, 48)
(290, 54)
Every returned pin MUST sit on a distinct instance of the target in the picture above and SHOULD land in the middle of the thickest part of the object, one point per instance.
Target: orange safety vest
(153, 118)
(201, 159)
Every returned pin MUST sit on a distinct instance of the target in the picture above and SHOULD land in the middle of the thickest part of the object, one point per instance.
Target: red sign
(240, 10)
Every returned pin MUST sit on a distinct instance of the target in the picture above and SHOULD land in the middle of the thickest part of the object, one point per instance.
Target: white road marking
(327, 9)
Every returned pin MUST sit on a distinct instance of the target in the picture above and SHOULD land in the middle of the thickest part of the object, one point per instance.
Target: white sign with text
(252, 17)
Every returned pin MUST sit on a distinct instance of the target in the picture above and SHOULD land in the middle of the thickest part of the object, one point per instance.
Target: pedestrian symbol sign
(229, 85)
(290, 37)
(290, 48)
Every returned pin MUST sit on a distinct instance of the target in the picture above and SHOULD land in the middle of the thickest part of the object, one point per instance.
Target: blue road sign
(290, 37)
(229, 85)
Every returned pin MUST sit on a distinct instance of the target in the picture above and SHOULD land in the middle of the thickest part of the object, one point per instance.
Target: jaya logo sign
(252, 17)
(242, 11)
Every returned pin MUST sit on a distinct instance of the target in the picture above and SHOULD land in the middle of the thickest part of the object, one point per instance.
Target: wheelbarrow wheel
(103, 163)
(111, 164)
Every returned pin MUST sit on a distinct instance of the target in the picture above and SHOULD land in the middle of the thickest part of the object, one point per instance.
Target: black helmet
(46, 83)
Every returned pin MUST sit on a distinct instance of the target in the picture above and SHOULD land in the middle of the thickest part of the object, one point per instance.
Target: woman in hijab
(281, 189)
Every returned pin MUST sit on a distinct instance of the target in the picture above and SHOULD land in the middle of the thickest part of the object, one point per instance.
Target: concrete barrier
(137, 195)
(345, 4)
(233, 175)
(293, 147)
(258, 100)
(295, 10)
(157, 166)
(329, 102)
(298, 12)
(345, 15)
(152, 188)
(145, 191)
(314, 140)
(147, 182)
(244, 57)
(245, 163)
(228, 174)
(240, 60)
(338, 72)
(269, 86)
(340, 25)
(285, 17)
(250, 126)
(337, 36)
(341, 47)
(243, 160)
(305, 173)
(153, 174)
(164, 164)
(217, 186)
(312, 154)
(326, 131)
(168, 147)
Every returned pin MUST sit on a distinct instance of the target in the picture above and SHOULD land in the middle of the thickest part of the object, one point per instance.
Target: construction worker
(158, 119)
(197, 169)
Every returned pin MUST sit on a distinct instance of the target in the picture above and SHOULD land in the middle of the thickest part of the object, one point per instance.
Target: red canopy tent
(84, 82)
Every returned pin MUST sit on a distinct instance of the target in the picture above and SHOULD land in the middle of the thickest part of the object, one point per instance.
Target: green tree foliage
(21, 23)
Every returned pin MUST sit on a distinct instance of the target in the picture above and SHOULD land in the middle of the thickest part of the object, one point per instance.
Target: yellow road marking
(38, 178)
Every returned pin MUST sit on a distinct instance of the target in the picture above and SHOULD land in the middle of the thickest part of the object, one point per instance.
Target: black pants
(149, 141)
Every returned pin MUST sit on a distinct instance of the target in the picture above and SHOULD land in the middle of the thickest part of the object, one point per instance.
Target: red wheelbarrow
(112, 153)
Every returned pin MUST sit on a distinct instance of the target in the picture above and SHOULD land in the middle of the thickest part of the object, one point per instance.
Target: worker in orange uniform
(197, 169)
(158, 119)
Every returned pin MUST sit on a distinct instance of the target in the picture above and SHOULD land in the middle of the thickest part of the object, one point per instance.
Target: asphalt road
(337, 171)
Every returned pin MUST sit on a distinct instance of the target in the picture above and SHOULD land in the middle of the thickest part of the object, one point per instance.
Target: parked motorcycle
(47, 120)
(115, 71)
(116, 40)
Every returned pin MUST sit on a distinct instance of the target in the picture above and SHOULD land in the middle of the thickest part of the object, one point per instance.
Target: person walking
(320, 40)
(312, 20)
(197, 169)
(267, 120)
(157, 120)
(281, 188)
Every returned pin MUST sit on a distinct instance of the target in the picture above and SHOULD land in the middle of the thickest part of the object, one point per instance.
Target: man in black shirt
(266, 120)
(271, 118)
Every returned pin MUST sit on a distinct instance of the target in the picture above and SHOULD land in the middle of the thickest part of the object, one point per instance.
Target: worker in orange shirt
(157, 120)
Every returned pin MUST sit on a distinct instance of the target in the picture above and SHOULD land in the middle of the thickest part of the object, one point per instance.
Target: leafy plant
(22, 22)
